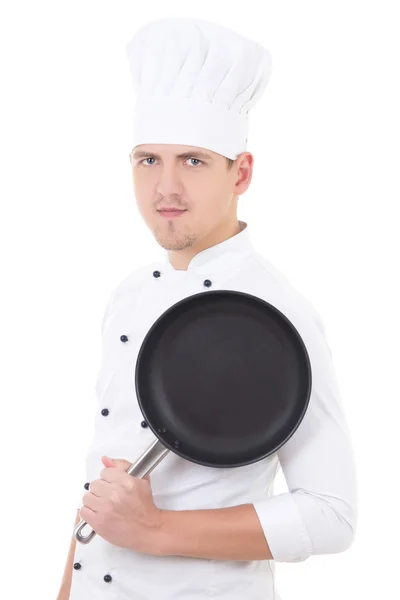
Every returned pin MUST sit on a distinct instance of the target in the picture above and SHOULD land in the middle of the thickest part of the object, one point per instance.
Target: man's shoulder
(271, 283)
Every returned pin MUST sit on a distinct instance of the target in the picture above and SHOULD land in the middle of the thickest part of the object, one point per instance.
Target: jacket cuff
(284, 528)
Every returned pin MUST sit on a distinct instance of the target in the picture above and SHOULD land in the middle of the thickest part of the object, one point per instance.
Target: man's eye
(191, 158)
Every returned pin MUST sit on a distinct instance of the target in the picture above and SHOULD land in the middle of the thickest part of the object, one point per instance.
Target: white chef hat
(195, 82)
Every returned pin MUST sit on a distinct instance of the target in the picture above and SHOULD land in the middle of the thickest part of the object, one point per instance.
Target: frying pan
(223, 379)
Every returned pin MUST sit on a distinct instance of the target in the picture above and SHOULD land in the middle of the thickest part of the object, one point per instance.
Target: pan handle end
(82, 538)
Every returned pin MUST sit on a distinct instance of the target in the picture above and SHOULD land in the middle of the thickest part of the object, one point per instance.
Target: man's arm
(232, 533)
(318, 515)
(65, 588)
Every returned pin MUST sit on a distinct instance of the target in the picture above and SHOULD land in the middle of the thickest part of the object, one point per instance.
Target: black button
(77, 565)
(105, 412)
(86, 486)
(207, 282)
(107, 578)
(156, 274)
(124, 338)
(144, 424)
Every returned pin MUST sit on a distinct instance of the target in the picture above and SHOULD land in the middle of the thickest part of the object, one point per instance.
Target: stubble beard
(172, 239)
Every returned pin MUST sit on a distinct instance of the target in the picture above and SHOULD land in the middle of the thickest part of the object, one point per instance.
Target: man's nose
(169, 182)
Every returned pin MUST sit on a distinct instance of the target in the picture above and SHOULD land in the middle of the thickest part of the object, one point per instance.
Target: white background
(322, 206)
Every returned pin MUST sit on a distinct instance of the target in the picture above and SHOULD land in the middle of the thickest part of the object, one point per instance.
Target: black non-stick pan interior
(223, 378)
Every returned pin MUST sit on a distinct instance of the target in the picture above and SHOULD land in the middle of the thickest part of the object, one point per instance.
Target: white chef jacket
(318, 513)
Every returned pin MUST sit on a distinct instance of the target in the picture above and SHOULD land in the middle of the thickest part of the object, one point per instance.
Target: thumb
(116, 462)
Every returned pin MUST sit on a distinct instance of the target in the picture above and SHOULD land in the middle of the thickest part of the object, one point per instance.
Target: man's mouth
(171, 212)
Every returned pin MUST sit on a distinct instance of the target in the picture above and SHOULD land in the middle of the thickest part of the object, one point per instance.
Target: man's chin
(174, 242)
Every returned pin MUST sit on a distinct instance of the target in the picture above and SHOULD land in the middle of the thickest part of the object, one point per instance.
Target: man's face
(199, 182)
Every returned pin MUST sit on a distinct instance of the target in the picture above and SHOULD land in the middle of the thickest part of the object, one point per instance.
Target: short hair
(230, 162)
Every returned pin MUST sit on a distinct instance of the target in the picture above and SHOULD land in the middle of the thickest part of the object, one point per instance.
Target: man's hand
(120, 508)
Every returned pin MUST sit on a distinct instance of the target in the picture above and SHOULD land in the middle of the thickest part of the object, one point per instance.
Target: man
(191, 531)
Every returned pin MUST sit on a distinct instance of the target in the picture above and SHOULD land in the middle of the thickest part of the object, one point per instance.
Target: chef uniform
(318, 514)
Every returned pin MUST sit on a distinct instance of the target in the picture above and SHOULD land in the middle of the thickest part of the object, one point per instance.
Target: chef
(189, 531)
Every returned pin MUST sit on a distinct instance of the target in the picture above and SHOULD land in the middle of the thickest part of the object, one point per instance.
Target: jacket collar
(229, 250)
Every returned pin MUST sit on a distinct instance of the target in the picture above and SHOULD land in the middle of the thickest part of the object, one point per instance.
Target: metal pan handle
(140, 469)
